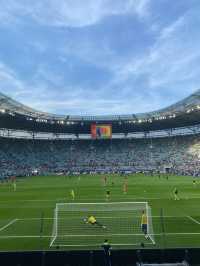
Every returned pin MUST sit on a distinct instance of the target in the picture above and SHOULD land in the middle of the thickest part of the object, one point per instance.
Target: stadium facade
(164, 140)
(18, 120)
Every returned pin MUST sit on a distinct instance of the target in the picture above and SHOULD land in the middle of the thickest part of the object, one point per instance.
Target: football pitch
(27, 215)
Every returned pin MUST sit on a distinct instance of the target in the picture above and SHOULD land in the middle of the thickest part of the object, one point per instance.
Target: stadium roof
(183, 113)
(7, 103)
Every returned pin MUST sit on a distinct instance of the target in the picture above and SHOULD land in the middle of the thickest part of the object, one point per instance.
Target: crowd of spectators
(180, 155)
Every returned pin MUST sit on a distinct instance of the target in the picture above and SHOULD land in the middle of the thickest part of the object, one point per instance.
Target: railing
(23, 134)
(96, 258)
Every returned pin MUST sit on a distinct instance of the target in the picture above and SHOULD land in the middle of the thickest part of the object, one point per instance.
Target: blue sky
(99, 56)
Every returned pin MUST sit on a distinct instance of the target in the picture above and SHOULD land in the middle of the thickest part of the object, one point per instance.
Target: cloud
(9, 81)
(121, 64)
(43, 94)
(19, 89)
(70, 13)
(171, 29)
(88, 106)
(171, 64)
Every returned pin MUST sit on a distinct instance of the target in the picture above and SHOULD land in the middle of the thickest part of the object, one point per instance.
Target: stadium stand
(179, 155)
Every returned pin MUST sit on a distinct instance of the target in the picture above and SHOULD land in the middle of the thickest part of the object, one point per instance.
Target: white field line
(127, 234)
(194, 220)
(36, 219)
(96, 245)
(103, 203)
(103, 235)
(43, 200)
(10, 223)
(99, 217)
(36, 200)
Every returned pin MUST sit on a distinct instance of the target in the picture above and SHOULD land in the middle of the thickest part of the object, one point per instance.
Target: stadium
(58, 170)
(99, 133)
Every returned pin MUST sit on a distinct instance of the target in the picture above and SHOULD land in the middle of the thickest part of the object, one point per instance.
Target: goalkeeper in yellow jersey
(144, 224)
(93, 221)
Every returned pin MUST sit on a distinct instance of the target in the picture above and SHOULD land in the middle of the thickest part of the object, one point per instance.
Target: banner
(101, 131)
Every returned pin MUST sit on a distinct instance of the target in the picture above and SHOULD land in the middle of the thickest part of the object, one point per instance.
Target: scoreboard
(101, 131)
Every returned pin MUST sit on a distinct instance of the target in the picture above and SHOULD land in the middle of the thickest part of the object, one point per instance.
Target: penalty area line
(10, 223)
(99, 217)
(194, 220)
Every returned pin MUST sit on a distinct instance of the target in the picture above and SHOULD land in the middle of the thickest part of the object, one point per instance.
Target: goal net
(119, 222)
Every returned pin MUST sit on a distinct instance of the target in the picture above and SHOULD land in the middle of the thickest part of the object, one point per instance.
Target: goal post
(150, 231)
(55, 226)
(121, 220)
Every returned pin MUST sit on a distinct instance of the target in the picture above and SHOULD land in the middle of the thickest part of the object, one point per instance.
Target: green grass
(36, 197)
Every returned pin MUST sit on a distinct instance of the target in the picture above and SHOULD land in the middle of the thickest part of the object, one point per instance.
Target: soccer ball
(85, 220)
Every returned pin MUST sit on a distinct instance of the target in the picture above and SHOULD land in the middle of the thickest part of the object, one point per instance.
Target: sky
(97, 57)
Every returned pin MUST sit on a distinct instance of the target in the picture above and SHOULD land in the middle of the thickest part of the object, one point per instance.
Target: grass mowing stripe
(10, 223)
(99, 199)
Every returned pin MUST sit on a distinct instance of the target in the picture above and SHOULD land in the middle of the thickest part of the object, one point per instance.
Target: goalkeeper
(93, 221)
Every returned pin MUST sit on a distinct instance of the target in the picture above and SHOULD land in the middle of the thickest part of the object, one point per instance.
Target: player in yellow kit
(125, 186)
(144, 224)
(72, 193)
(93, 221)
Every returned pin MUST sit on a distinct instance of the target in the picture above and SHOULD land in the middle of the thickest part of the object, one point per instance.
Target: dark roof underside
(15, 115)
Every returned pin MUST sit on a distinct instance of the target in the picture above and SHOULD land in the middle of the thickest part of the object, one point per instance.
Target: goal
(121, 220)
